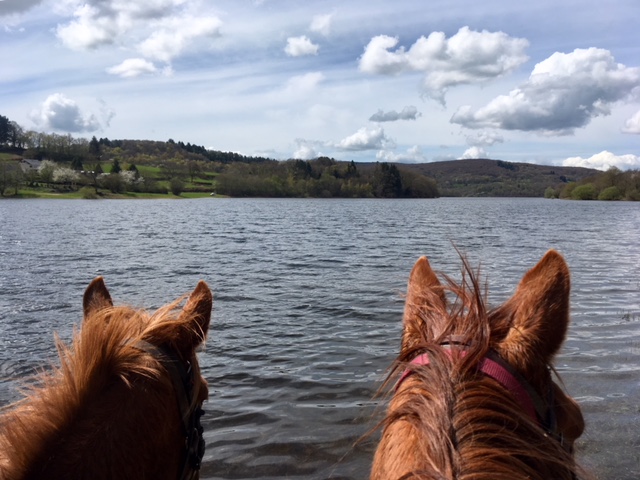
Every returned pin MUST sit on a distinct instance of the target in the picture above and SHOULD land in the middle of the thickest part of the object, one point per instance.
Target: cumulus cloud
(366, 139)
(8, 7)
(474, 152)
(563, 92)
(306, 149)
(408, 113)
(161, 28)
(633, 124)
(61, 113)
(133, 67)
(412, 155)
(321, 24)
(484, 139)
(467, 57)
(604, 160)
(300, 46)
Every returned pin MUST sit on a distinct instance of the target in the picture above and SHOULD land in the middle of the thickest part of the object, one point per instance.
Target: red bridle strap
(496, 368)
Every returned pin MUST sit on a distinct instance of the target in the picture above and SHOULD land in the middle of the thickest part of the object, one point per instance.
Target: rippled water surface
(307, 308)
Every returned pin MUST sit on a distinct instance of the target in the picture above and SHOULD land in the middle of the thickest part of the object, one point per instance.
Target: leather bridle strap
(497, 369)
(182, 379)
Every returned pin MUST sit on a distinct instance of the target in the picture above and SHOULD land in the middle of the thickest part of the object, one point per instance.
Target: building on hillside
(29, 165)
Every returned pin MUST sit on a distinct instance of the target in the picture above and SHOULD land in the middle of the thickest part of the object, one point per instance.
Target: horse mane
(469, 426)
(101, 358)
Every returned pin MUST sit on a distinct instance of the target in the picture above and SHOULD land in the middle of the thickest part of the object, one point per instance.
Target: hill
(497, 178)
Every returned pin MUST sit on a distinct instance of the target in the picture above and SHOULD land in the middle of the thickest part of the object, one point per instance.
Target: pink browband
(494, 367)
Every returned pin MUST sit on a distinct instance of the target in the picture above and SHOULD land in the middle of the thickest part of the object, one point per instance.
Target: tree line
(322, 177)
(613, 184)
(171, 165)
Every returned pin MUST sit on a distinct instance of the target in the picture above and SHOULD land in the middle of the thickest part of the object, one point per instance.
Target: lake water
(308, 302)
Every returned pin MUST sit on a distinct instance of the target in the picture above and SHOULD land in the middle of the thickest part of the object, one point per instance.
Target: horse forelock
(462, 424)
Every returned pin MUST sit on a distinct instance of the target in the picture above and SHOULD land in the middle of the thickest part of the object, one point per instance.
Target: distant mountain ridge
(497, 178)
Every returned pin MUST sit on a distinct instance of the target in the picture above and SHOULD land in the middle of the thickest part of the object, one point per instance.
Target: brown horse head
(476, 398)
(125, 401)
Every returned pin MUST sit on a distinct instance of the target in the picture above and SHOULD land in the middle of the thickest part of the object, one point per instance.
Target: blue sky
(411, 81)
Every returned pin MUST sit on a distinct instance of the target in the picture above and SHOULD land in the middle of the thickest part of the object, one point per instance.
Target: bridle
(182, 376)
(495, 367)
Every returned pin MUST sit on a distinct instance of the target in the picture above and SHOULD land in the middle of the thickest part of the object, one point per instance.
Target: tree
(94, 148)
(610, 193)
(585, 192)
(16, 135)
(46, 169)
(76, 163)
(134, 169)
(115, 166)
(4, 129)
(387, 181)
(177, 186)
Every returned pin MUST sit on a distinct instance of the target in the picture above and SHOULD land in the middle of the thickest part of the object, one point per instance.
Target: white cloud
(366, 139)
(91, 30)
(412, 155)
(161, 28)
(133, 67)
(300, 46)
(604, 160)
(467, 57)
(633, 124)
(306, 149)
(322, 24)
(408, 113)
(175, 34)
(484, 139)
(474, 152)
(563, 92)
(61, 113)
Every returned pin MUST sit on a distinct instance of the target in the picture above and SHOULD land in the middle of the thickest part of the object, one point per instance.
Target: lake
(308, 304)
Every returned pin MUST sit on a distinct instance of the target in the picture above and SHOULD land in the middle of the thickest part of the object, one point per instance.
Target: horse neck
(109, 429)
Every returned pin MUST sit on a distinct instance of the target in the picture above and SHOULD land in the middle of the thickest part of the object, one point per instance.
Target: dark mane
(469, 426)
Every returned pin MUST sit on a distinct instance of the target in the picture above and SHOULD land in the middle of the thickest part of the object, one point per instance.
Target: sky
(545, 81)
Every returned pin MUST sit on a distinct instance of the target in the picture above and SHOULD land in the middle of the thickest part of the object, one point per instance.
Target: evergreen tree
(115, 166)
(76, 163)
(94, 147)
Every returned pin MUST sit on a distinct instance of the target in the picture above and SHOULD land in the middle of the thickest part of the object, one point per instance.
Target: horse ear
(195, 318)
(424, 292)
(540, 310)
(96, 297)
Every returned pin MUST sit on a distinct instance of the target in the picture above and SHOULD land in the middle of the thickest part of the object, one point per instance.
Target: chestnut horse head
(125, 402)
(476, 398)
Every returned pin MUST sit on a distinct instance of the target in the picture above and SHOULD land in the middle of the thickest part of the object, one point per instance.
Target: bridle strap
(496, 368)
(182, 379)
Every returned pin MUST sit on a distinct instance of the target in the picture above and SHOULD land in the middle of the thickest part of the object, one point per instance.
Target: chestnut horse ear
(424, 292)
(195, 318)
(540, 309)
(96, 297)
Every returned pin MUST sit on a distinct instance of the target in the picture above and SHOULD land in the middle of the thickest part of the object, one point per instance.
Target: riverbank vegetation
(39, 164)
(36, 164)
(613, 184)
